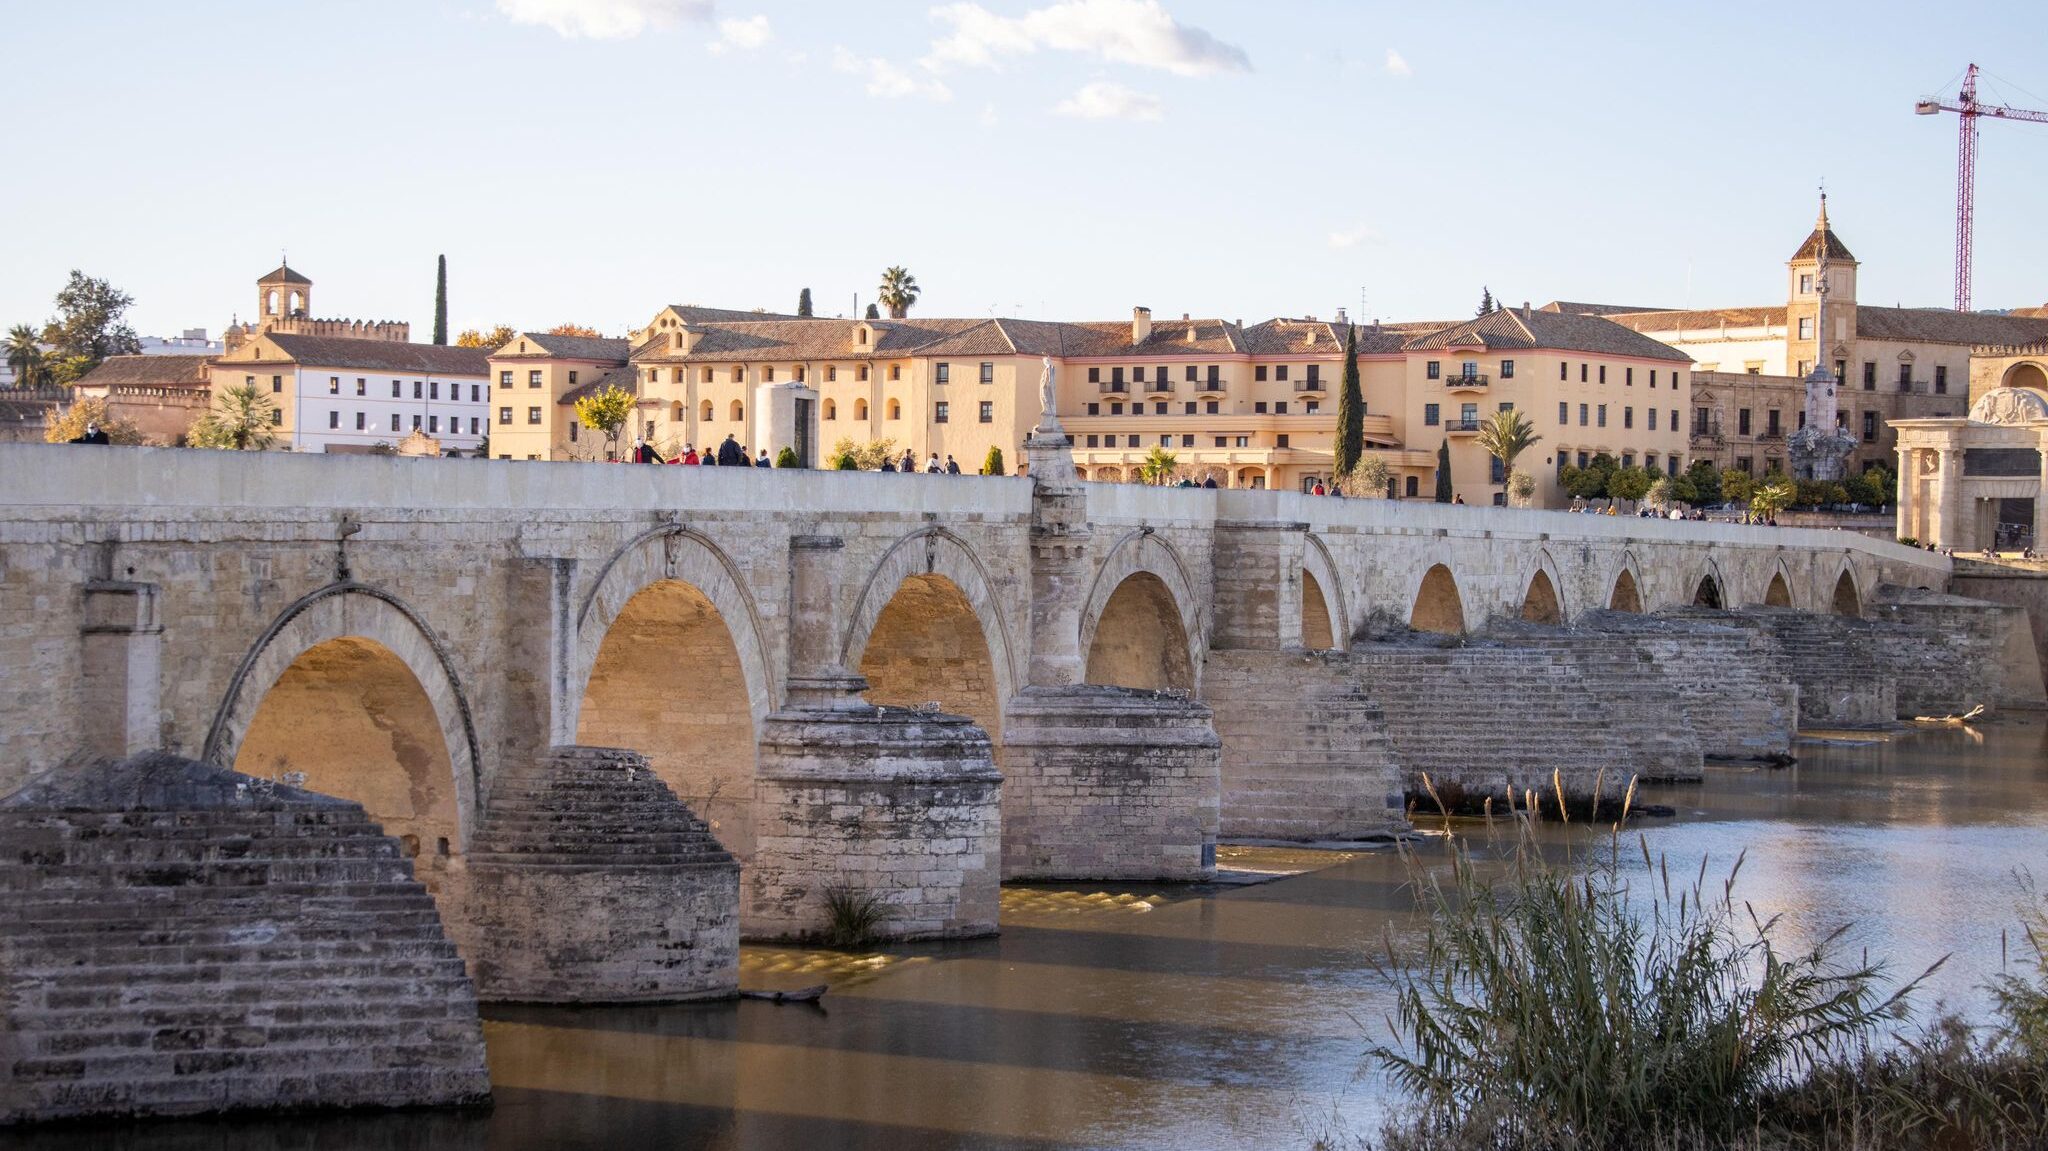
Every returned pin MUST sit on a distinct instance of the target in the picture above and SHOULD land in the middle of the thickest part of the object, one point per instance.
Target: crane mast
(1967, 110)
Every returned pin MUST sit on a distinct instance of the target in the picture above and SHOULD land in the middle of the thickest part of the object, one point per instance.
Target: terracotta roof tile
(149, 371)
(1514, 329)
(579, 347)
(383, 355)
(1943, 326)
(1702, 318)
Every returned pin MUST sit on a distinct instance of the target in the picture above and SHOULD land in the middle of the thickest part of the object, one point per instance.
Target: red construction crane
(1967, 109)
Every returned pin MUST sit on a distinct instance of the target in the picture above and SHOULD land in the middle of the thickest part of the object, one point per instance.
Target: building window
(831, 373)
(1628, 416)
(394, 421)
(1116, 376)
(1507, 369)
(1191, 373)
(1315, 373)
(768, 374)
(1094, 409)
(739, 374)
(1280, 441)
(895, 371)
(1159, 407)
(1603, 373)
(418, 390)
(434, 391)
(988, 411)
(1279, 407)
(1742, 424)
(1583, 410)
(362, 386)
(1564, 412)
(1628, 459)
(1165, 441)
(1280, 371)
(1094, 375)
(473, 425)
(1603, 415)
(1241, 442)
(334, 420)
(334, 385)
(360, 420)
(572, 429)
(1806, 327)
(1563, 370)
(704, 375)
(1314, 406)
(1673, 424)
(415, 423)
(1131, 441)
(1092, 441)
(1653, 421)
(944, 374)
(1213, 407)
(940, 411)
(1771, 422)
(277, 383)
(1188, 408)
(1187, 441)
(532, 378)
(1494, 473)
(1870, 427)
(862, 374)
(1582, 373)
(1259, 407)
(1870, 375)
(572, 378)
(1215, 374)
(276, 417)
(988, 373)
(504, 379)
(1628, 377)
(1411, 487)
(1222, 441)
(532, 415)
(1941, 379)
(1805, 285)
(505, 416)
(434, 425)
(1434, 370)
(1468, 415)
(1653, 379)
(1259, 374)
(1116, 409)
(1431, 415)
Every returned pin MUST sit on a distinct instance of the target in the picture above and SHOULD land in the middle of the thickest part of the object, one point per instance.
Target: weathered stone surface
(902, 804)
(1110, 783)
(1952, 653)
(1305, 752)
(177, 939)
(590, 882)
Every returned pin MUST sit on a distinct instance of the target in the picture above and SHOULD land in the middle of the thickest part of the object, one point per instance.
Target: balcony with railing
(1159, 386)
(1310, 385)
(1116, 387)
(1458, 427)
(1707, 432)
(1466, 382)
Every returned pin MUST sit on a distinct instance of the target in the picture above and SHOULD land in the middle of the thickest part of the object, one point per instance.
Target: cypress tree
(1443, 472)
(1486, 305)
(441, 302)
(803, 304)
(1350, 411)
(874, 313)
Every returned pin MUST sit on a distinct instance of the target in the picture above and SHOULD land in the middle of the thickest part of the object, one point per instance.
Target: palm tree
(1158, 466)
(1505, 435)
(239, 421)
(898, 291)
(25, 356)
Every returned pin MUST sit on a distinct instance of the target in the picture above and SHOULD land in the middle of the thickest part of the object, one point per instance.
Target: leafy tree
(1587, 483)
(63, 426)
(1505, 435)
(1350, 411)
(1158, 466)
(1819, 493)
(1736, 486)
(441, 301)
(1521, 489)
(866, 457)
(786, 458)
(25, 356)
(898, 291)
(606, 411)
(873, 313)
(1874, 486)
(494, 338)
(571, 330)
(88, 326)
(1772, 496)
(1486, 305)
(1683, 490)
(483, 447)
(239, 421)
(1370, 478)
(803, 303)
(1628, 484)
(1443, 472)
(1706, 482)
(993, 464)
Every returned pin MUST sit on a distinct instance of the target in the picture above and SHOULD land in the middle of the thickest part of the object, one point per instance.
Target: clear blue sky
(1046, 158)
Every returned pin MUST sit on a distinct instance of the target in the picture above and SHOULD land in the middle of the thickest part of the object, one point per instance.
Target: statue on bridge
(1048, 402)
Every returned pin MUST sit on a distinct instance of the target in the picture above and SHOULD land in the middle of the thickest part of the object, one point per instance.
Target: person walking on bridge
(731, 454)
(644, 453)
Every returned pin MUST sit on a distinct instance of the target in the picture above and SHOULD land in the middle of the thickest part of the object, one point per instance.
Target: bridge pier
(856, 801)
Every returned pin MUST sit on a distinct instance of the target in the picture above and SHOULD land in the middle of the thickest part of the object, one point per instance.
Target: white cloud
(1397, 65)
(1139, 32)
(886, 80)
(1104, 100)
(745, 35)
(605, 19)
(1352, 237)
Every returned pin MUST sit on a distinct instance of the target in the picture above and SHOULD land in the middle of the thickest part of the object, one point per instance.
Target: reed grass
(853, 917)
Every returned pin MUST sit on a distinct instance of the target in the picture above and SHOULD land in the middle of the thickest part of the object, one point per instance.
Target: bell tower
(1820, 276)
(283, 295)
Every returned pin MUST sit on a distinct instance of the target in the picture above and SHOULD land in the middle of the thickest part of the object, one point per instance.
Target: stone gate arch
(375, 634)
(1626, 586)
(1142, 565)
(1438, 604)
(924, 555)
(1543, 592)
(1322, 599)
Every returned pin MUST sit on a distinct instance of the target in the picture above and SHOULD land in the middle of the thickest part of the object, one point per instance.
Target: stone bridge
(1081, 680)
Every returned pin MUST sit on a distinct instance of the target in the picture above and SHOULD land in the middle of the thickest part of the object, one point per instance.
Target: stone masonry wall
(1305, 752)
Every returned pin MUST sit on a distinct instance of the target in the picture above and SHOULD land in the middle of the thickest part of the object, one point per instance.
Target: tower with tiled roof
(1820, 449)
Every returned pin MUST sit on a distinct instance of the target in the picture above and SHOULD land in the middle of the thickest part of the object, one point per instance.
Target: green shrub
(853, 917)
(993, 464)
(786, 458)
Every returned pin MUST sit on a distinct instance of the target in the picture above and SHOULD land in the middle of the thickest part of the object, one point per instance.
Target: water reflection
(1174, 1018)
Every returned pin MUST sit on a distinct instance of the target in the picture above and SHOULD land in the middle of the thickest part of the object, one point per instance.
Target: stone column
(1060, 572)
(1945, 523)
(122, 664)
(1905, 506)
(856, 802)
(2041, 497)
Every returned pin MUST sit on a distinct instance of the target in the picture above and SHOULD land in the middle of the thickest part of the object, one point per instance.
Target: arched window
(860, 409)
(895, 410)
(831, 410)
(676, 411)
(738, 412)
(704, 412)
(739, 375)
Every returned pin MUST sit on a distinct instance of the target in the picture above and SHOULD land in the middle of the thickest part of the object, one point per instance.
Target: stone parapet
(1109, 783)
(1305, 751)
(588, 881)
(177, 939)
(901, 805)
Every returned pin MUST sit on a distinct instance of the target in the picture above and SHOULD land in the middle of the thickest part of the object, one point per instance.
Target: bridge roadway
(401, 630)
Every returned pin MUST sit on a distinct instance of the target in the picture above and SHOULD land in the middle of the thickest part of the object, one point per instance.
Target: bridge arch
(1144, 592)
(1325, 619)
(1846, 597)
(1437, 604)
(927, 590)
(1778, 590)
(1543, 594)
(669, 661)
(351, 687)
(1709, 587)
(1626, 588)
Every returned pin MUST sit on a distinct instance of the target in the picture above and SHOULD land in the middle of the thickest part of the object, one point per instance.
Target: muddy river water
(1214, 1018)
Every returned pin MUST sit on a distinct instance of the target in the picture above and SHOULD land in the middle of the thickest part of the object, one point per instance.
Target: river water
(1218, 1018)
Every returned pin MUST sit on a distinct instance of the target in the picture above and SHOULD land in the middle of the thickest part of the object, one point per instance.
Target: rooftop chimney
(1141, 325)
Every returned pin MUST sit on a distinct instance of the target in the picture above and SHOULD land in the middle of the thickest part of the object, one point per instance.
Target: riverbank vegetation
(1598, 1006)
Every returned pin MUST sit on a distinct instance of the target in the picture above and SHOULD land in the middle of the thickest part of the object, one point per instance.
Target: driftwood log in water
(800, 995)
